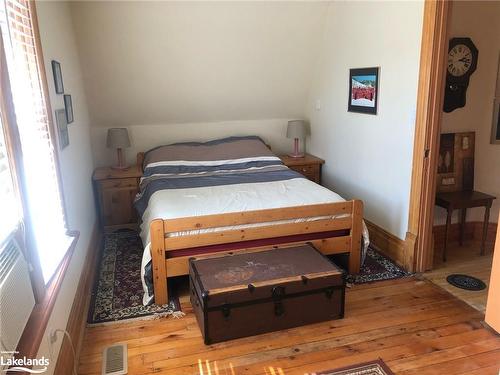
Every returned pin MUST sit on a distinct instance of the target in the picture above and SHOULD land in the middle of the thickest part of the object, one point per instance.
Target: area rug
(377, 267)
(466, 282)
(117, 292)
(369, 368)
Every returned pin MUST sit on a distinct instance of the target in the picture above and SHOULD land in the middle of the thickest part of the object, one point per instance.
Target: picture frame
(363, 90)
(68, 106)
(495, 126)
(58, 79)
(446, 158)
(62, 128)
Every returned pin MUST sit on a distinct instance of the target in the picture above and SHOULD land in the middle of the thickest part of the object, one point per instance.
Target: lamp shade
(117, 138)
(296, 129)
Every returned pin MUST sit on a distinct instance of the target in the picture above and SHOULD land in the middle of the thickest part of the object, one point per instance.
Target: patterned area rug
(370, 368)
(117, 293)
(377, 267)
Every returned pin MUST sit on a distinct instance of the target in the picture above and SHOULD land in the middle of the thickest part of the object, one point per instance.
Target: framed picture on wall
(62, 128)
(68, 106)
(363, 90)
(495, 126)
(58, 80)
(446, 160)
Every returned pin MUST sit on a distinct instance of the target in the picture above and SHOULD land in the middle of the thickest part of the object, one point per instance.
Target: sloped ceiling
(177, 62)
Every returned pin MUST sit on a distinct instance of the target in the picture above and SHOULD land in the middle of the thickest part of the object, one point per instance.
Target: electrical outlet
(52, 336)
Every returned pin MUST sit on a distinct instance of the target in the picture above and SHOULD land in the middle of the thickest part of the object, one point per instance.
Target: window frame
(45, 293)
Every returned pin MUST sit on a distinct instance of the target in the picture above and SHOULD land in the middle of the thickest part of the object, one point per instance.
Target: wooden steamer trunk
(247, 294)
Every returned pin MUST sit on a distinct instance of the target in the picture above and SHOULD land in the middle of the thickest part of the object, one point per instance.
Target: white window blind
(44, 196)
(10, 215)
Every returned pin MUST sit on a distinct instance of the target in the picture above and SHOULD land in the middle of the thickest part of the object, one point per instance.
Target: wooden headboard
(140, 161)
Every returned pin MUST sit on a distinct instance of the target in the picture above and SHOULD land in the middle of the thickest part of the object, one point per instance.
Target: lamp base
(296, 153)
(121, 162)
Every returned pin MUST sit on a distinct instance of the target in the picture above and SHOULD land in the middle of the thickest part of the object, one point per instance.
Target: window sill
(37, 323)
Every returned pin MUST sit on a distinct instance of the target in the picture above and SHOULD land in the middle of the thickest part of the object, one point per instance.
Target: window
(29, 181)
(8, 196)
(43, 193)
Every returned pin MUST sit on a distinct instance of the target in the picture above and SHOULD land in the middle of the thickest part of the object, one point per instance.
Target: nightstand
(309, 166)
(115, 191)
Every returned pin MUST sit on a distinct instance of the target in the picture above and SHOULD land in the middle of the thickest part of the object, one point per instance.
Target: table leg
(446, 232)
(462, 226)
(485, 228)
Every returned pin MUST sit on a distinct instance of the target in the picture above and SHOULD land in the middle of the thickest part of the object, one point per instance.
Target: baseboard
(399, 250)
(78, 315)
(388, 244)
(473, 231)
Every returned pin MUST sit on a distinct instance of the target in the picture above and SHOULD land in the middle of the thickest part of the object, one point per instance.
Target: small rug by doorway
(370, 368)
(466, 282)
(117, 292)
(377, 267)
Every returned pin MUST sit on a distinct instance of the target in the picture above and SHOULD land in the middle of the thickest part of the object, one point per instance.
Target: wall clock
(461, 63)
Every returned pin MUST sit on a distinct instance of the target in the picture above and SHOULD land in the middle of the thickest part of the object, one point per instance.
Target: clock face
(459, 60)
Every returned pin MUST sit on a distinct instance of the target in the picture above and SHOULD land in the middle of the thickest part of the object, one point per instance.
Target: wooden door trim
(430, 95)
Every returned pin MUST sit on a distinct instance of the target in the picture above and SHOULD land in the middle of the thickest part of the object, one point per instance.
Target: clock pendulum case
(461, 63)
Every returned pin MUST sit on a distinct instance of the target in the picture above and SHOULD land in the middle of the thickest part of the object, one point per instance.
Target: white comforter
(177, 203)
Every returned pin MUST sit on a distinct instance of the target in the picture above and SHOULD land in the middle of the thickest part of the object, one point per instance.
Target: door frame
(418, 241)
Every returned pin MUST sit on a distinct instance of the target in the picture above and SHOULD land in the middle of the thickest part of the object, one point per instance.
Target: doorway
(427, 223)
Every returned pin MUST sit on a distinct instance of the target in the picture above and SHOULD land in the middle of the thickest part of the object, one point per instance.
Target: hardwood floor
(466, 260)
(413, 325)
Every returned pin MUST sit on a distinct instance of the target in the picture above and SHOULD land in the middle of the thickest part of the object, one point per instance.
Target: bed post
(159, 262)
(356, 235)
(140, 161)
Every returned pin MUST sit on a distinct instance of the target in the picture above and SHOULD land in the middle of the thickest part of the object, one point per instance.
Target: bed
(232, 195)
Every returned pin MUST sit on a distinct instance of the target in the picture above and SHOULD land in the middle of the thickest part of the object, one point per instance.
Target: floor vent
(115, 360)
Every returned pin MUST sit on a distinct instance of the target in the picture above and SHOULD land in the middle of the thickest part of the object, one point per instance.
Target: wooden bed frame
(343, 217)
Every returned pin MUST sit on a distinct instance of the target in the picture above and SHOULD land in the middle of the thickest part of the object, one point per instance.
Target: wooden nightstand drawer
(119, 183)
(117, 206)
(115, 193)
(306, 170)
(309, 166)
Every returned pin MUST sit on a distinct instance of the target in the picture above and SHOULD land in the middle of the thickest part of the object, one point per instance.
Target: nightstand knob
(304, 169)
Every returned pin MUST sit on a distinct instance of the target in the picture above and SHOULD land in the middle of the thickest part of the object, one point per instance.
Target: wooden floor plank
(410, 323)
(463, 365)
(465, 260)
(299, 360)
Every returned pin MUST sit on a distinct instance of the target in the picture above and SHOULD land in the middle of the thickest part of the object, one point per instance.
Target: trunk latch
(329, 293)
(226, 311)
(278, 293)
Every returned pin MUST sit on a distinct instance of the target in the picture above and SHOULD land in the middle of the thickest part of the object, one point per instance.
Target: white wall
(196, 62)
(369, 157)
(58, 43)
(145, 137)
(479, 20)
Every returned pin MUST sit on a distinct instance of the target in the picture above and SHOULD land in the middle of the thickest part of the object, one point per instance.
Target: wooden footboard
(329, 217)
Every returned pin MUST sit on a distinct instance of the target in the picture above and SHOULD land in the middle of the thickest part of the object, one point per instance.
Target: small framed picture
(68, 106)
(58, 80)
(62, 128)
(495, 126)
(363, 90)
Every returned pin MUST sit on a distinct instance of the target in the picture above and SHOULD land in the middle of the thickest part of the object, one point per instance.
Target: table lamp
(297, 130)
(118, 138)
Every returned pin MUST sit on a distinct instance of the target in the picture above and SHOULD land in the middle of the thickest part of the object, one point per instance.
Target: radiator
(16, 296)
